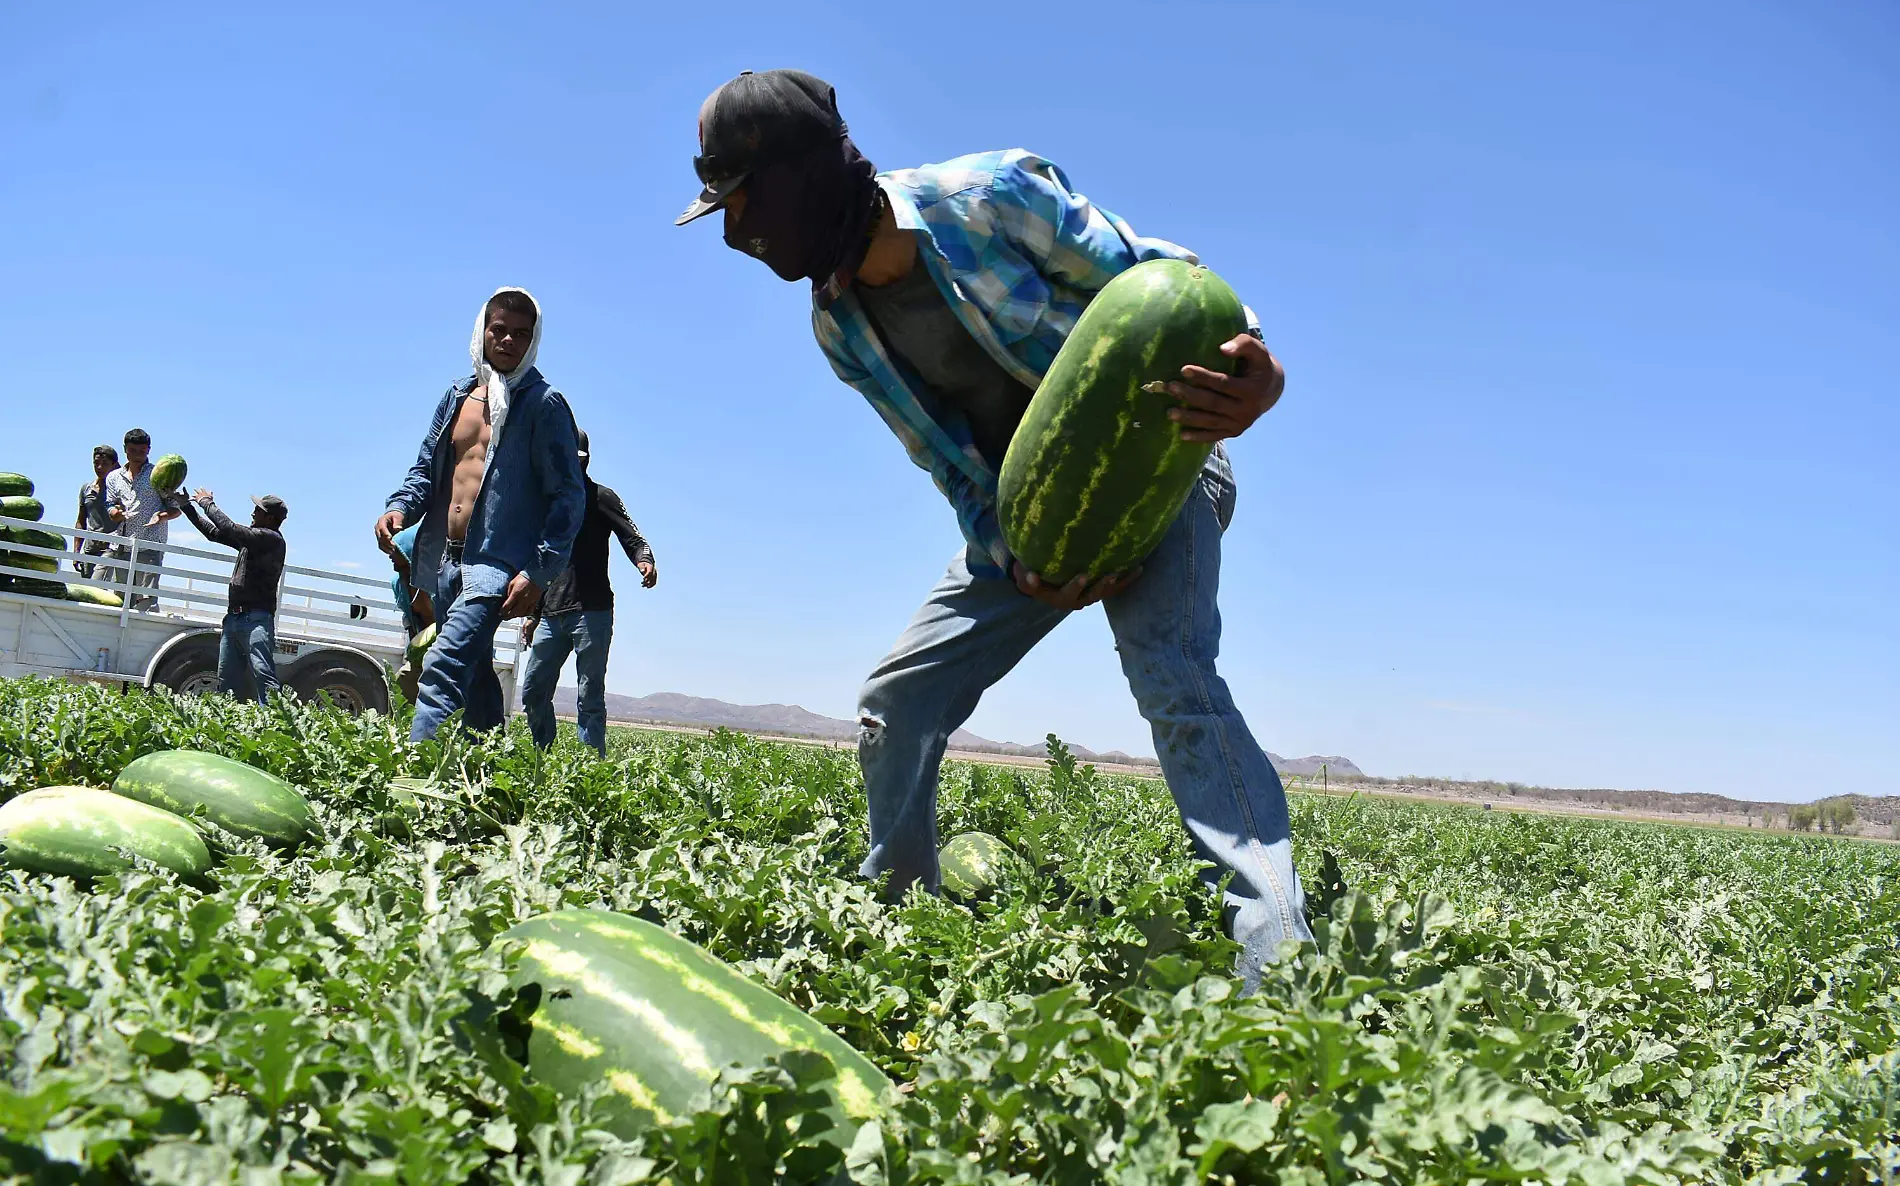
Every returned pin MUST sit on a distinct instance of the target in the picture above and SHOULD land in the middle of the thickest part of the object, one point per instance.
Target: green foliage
(1492, 997)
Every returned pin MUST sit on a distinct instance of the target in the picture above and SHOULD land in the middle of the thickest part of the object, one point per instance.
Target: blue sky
(1587, 472)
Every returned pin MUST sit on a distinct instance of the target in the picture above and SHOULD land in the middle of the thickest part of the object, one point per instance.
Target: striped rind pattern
(74, 830)
(236, 797)
(93, 596)
(656, 1017)
(168, 473)
(37, 537)
(21, 506)
(1096, 472)
(972, 862)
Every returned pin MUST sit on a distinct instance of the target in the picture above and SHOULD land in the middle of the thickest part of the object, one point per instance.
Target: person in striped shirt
(942, 294)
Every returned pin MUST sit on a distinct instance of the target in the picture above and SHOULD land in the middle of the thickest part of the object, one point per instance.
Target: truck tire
(190, 668)
(346, 681)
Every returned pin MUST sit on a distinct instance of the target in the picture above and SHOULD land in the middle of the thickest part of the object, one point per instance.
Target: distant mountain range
(789, 720)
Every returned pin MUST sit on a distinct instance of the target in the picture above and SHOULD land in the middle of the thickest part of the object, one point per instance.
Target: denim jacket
(532, 495)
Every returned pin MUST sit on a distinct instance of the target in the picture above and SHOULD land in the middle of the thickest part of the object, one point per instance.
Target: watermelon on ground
(75, 830)
(168, 473)
(22, 506)
(12, 484)
(1096, 472)
(236, 797)
(973, 863)
(655, 1018)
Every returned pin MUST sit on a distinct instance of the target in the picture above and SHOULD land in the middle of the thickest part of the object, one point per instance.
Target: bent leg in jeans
(234, 672)
(263, 655)
(547, 651)
(247, 655)
(972, 631)
(459, 672)
(593, 638)
(1167, 630)
(967, 636)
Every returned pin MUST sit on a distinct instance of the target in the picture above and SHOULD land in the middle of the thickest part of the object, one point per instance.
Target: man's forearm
(216, 525)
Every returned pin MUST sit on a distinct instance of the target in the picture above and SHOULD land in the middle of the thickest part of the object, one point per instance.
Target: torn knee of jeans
(870, 728)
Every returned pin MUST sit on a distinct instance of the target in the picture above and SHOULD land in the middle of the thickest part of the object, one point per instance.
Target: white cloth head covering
(485, 376)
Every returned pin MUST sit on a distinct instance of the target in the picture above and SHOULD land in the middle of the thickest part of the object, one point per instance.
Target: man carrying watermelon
(497, 494)
(943, 295)
(418, 617)
(247, 652)
(141, 513)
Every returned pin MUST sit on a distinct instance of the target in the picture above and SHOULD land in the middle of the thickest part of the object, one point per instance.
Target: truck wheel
(347, 681)
(191, 669)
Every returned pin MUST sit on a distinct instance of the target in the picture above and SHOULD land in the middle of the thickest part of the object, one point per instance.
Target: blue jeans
(247, 655)
(459, 672)
(588, 634)
(973, 630)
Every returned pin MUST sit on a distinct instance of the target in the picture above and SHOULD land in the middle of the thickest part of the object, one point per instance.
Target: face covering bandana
(810, 216)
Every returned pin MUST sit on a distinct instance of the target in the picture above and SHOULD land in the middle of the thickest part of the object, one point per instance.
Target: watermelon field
(1492, 998)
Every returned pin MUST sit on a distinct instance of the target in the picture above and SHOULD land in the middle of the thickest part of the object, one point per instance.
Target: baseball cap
(273, 505)
(756, 120)
(583, 440)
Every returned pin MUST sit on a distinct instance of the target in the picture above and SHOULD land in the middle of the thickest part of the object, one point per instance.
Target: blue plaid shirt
(1018, 255)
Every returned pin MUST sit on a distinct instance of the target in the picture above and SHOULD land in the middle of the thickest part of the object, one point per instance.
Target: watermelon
(37, 537)
(22, 506)
(29, 560)
(74, 830)
(973, 863)
(420, 644)
(15, 484)
(35, 587)
(1096, 472)
(655, 1017)
(236, 797)
(168, 473)
(91, 595)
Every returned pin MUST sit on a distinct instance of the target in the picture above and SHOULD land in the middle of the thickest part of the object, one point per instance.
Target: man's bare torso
(468, 436)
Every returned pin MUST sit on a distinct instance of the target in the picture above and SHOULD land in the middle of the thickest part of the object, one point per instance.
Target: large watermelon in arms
(1096, 472)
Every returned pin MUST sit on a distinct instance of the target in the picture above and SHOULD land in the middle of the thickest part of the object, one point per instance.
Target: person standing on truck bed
(140, 513)
(577, 617)
(248, 651)
(497, 492)
(942, 294)
(95, 514)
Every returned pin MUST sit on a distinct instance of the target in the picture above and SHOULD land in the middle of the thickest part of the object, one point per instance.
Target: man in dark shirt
(94, 513)
(577, 615)
(250, 626)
